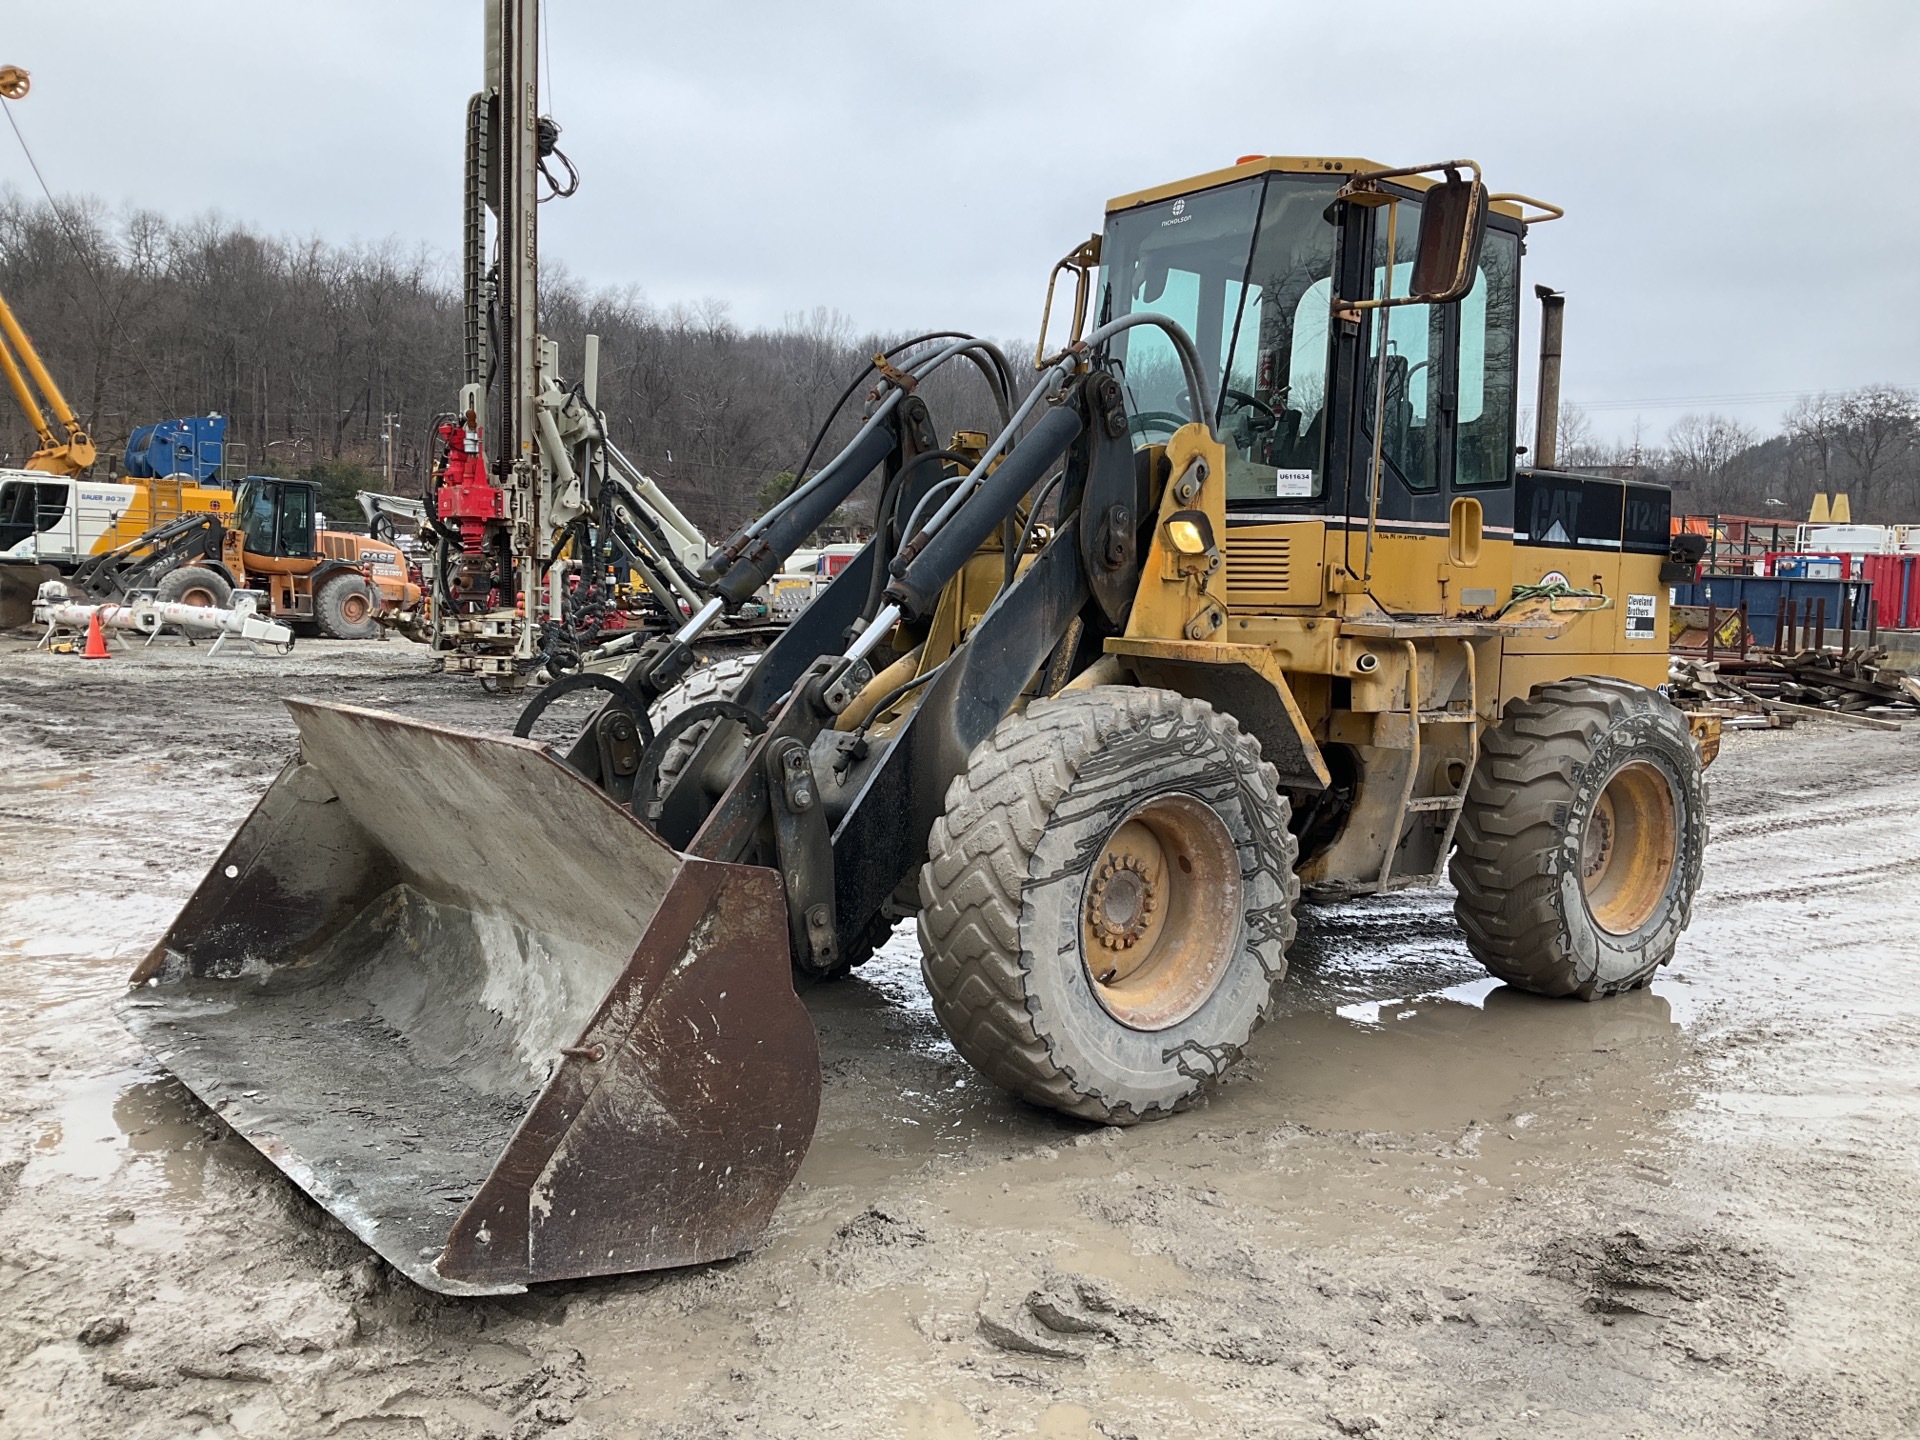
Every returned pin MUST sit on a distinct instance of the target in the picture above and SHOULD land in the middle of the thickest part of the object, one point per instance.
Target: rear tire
(721, 680)
(346, 608)
(1582, 839)
(194, 585)
(1109, 901)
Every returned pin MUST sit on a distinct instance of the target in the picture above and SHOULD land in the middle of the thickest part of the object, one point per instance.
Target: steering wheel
(1250, 402)
(1149, 421)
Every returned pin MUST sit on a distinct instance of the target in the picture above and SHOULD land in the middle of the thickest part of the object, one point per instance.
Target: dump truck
(1245, 596)
(332, 583)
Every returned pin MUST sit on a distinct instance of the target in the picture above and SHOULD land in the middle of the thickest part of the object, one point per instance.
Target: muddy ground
(1425, 1206)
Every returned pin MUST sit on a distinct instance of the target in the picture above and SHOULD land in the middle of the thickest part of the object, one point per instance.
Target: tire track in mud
(1293, 1252)
(1808, 820)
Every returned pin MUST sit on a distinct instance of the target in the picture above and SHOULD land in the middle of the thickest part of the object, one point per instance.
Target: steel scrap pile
(1759, 691)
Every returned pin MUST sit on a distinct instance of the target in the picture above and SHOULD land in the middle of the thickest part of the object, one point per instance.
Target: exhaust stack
(1546, 415)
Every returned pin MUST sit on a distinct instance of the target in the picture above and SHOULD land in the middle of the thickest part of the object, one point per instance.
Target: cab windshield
(1247, 270)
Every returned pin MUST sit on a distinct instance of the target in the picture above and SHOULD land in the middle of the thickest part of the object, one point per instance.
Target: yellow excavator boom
(25, 371)
(54, 457)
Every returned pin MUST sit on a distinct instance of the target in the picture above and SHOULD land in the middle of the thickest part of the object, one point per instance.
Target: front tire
(345, 608)
(1108, 903)
(194, 585)
(1582, 839)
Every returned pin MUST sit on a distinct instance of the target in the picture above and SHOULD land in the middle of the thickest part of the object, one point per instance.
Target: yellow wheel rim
(354, 608)
(1161, 915)
(1630, 849)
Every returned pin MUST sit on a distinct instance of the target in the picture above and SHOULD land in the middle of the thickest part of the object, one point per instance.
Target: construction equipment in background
(194, 446)
(67, 450)
(1244, 596)
(630, 571)
(507, 487)
(239, 619)
(50, 516)
(386, 513)
(628, 568)
(332, 583)
(61, 520)
(535, 516)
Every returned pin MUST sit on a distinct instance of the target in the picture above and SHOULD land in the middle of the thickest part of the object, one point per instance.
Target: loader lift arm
(897, 436)
(773, 812)
(141, 561)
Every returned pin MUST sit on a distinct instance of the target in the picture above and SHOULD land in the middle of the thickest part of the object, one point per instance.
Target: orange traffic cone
(96, 639)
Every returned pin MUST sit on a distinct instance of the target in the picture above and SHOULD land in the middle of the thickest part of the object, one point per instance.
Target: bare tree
(1864, 443)
(1701, 458)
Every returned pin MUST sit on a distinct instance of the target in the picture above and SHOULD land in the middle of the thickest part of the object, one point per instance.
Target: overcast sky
(1738, 177)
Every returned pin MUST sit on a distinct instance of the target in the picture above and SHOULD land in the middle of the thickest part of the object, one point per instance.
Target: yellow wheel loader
(1245, 595)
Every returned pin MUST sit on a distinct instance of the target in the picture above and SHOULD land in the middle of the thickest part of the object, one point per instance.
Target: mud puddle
(1424, 1206)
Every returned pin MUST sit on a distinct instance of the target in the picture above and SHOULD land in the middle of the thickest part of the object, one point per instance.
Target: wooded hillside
(307, 347)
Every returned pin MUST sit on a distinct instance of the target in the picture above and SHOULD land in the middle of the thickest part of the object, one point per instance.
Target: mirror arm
(1547, 210)
(1081, 260)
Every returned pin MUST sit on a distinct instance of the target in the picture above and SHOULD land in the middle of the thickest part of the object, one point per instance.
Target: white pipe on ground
(55, 610)
(69, 616)
(242, 620)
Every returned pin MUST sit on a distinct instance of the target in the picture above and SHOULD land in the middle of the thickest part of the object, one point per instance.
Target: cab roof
(1329, 165)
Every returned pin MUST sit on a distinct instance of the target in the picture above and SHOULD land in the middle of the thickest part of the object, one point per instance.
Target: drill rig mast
(508, 486)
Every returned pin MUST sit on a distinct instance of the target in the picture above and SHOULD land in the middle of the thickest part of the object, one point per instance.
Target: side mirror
(1453, 221)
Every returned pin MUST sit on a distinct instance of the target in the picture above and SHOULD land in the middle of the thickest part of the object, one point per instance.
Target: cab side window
(1273, 404)
(1489, 370)
(1416, 360)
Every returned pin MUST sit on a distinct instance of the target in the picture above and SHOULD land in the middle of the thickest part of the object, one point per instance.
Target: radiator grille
(1260, 571)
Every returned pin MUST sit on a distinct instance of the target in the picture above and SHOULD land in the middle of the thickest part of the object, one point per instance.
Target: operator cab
(276, 517)
(31, 504)
(1249, 261)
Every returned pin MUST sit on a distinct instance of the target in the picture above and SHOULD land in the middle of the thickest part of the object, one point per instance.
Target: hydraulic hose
(1183, 347)
(807, 509)
(876, 424)
(833, 410)
(1041, 389)
(917, 583)
(986, 356)
(884, 516)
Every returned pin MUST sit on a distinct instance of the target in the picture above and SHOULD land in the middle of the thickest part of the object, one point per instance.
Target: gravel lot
(1425, 1206)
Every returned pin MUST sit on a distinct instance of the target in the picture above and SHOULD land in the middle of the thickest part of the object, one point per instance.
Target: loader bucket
(496, 1026)
(19, 586)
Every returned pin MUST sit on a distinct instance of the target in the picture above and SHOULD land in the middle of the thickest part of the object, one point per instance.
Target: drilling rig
(497, 491)
(533, 510)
